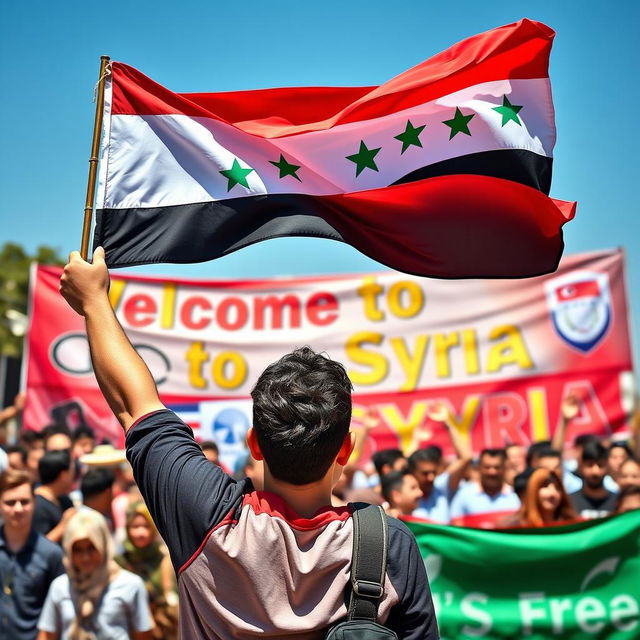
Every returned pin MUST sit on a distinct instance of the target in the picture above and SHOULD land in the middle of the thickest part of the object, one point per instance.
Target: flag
(442, 171)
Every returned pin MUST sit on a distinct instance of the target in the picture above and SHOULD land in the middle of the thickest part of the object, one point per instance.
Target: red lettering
(504, 415)
(322, 308)
(140, 310)
(277, 306)
(222, 314)
(187, 313)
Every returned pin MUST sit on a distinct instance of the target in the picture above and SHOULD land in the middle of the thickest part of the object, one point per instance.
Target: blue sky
(49, 63)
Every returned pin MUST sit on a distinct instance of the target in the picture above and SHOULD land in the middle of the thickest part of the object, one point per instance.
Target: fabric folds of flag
(442, 171)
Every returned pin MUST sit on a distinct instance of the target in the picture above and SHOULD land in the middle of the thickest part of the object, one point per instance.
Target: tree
(14, 291)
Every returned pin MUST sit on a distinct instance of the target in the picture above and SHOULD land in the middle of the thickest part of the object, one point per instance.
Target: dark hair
(621, 445)
(385, 456)
(301, 415)
(584, 439)
(501, 453)
(534, 450)
(631, 490)
(428, 454)
(29, 438)
(12, 478)
(52, 464)
(95, 481)
(392, 482)
(593, 452)
(16, 448)
(548, 452)
(521, 480)
(209, 444)
(83, 431)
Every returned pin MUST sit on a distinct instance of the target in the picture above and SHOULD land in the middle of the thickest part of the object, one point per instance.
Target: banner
(502, 353)
(573, 582)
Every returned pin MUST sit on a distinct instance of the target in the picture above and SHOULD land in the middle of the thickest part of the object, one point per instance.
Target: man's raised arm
(124, 379)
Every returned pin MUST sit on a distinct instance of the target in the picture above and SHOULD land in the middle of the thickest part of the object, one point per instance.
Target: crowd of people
(75, 523)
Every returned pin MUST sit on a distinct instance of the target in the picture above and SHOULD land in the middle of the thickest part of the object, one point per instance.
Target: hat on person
(104, 455)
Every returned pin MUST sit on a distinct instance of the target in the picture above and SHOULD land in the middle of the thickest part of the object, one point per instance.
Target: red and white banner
(502, 353)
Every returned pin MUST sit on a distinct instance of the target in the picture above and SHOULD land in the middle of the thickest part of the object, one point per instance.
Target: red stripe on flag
(520, 50)
(454, 226)
(587, 288)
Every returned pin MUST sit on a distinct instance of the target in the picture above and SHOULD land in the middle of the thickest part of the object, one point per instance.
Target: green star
(459, 123)
(364, 159)
(410, 136)
(286, 168)
(236, 175)
(508, 111)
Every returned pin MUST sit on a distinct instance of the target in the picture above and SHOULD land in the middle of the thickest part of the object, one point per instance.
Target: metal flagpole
(93, 160)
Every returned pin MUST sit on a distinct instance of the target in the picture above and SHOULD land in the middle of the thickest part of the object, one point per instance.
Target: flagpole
(93, 160)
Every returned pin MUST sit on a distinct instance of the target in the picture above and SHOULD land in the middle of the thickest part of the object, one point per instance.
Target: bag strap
(369, 561)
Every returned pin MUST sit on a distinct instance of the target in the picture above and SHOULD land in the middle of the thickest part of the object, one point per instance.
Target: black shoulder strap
(369, 562)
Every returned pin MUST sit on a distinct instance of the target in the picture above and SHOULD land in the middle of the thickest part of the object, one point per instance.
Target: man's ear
(346, 449)
(252, 443)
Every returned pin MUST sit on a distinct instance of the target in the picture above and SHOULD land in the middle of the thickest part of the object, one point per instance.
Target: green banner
(572, 582)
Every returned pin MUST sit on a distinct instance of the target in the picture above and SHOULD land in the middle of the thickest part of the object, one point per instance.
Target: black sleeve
(413, 618)
(186, 494)
(43, 518)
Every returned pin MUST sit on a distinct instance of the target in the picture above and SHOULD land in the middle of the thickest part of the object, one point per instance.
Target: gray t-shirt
(123, 606)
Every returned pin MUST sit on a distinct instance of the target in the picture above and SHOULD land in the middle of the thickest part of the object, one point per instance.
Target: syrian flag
(442, 171)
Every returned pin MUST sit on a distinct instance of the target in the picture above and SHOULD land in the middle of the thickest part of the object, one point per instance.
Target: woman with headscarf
(95, 599)
(145, 556)
(545, 502)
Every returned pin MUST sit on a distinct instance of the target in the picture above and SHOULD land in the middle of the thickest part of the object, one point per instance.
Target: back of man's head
(95, 482)
(301, 415)
(385, 460)
(52, 464)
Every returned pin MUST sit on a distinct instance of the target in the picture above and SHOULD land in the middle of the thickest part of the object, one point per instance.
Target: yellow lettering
(225, 361)
(538, 414)
(116, 289)
(464, 422)
(510, 350)
(375, 361)
(470, 351)
(414, 303)
(167, 312)
(196, 356)
(369, 292)
(404, 426)
(443, 343)
(411, 365)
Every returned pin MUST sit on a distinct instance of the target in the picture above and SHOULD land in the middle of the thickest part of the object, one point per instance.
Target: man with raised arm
(273, 563)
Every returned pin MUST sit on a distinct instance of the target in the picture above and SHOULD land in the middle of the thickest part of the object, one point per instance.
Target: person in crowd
(388, 460)
(145, 556)
(593, 500)
(96, 486)
(84, 441)
(433, 504)
(33, 442)
(544, 502)
(401, 491)
(628, 499)
(57, 437)
(520, 483)
(28, 561)
(486, 503)
(619, 453)
(550, 459)
(516, 462)
(17, 457)
(53, 506)
(629, 474)
(219, 532)
(95, 598)
(211, 451)
(533, 453)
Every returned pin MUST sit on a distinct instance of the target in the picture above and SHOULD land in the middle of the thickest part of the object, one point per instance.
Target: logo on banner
(580, 305)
